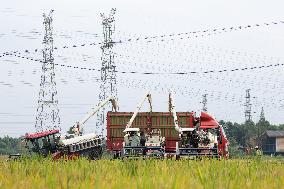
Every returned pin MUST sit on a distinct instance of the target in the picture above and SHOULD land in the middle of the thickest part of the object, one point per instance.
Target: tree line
(246, 135)
(10, 145)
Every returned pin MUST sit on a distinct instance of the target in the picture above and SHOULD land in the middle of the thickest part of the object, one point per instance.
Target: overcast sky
(79, 22)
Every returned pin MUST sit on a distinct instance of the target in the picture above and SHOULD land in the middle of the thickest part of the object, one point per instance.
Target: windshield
(29, 144)
(32, 145)
(53, 139)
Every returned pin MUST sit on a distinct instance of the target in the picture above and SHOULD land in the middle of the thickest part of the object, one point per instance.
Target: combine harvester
(205, 138)
(77, 144)
(179, 134)
(142, 143)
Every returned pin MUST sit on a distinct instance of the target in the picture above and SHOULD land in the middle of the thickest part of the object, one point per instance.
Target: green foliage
(245, 136)
(9, 145)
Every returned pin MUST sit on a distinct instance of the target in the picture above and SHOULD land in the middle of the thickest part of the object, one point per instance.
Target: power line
(157, 73)
(230, 80)
(181, 35)
(204, 32)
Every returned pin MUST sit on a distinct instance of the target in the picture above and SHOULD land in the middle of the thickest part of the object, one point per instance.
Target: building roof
(275, 133)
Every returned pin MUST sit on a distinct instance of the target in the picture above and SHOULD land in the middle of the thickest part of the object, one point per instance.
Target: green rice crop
(81, 173)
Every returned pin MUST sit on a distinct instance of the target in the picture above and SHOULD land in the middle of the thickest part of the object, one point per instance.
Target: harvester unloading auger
(147, 143)
(77, 144)
(206, 139)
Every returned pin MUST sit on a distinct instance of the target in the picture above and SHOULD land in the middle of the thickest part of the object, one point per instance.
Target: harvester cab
(155, 144)
(132, 137)
(140, 144)
(188, 137)
(154, 138)
(42, 143)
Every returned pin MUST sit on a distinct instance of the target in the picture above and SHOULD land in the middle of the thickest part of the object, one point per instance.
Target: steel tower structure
(248, 104)
(108, 69)
(47, 111)
(204, 103)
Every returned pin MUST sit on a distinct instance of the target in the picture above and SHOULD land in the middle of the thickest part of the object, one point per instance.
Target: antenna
(47, 111)
(108, 73)
(248, 104)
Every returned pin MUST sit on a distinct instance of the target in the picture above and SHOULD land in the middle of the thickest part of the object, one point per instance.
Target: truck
(72, 145)
(175, 141)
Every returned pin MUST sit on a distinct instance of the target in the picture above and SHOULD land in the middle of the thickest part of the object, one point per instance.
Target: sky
(79, 22)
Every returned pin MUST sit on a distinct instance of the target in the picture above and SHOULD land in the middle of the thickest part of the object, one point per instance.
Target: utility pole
(204, 102)
(108, 73)
(248, 104)
(47, 111)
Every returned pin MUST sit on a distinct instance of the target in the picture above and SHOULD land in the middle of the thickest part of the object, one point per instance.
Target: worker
(187, 139)
(45, 147)
(76, 129)
(126, 139)
(35, 147)
(183, 141)
(258, 151)
(194, 139)
(196, 121)
(142, 139)
(45, 143)
(135, 139)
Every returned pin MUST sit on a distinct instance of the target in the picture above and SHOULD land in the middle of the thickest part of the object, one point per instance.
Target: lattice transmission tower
(248, 104)
(204, 103)
(108, 85)
(47, 111)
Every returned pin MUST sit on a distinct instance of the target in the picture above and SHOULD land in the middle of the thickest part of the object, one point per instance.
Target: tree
(262, 125)
(9, 145)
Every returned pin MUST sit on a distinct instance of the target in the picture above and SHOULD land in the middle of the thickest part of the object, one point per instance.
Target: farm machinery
(203, 139)
(138, 135)
(174, 134)
(42, 143)
(73, 145)
(142, 143)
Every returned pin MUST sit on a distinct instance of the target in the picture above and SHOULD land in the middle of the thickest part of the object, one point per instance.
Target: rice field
(81, 173)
